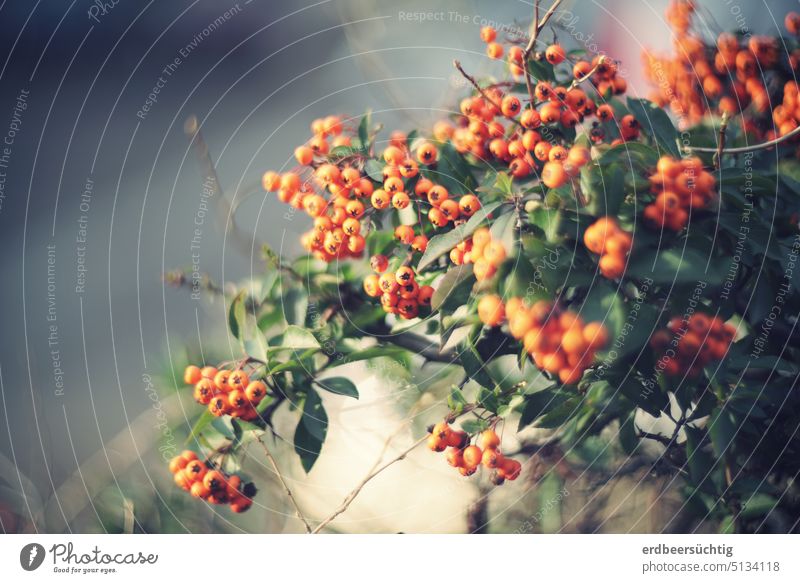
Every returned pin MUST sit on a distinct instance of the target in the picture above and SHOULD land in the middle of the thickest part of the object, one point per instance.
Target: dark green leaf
(441, 244)
(339, 386)
(236, 315)
(374, 170)
(675, 265)
(655, 120)
(454, 289)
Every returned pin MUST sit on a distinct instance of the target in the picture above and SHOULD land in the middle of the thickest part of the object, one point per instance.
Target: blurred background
(100, 195)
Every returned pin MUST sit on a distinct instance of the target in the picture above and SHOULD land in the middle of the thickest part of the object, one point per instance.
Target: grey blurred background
(97, 202)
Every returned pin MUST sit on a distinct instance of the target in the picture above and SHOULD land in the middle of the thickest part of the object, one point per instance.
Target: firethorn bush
(591, 265)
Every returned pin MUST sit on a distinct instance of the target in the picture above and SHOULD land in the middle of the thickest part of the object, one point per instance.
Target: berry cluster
(468, 458)
(203, 480)
(558, 340)
(729, 75)
(399, 291)
(482, 252)
(605, 238)
(680, 186)
(226, 392)
(688, 345)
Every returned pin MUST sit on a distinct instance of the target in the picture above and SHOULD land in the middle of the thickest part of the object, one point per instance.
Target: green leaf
(503, 183)
(722, 429)
(627, 434)
(473, 426)
(649, 398)
(758, 505)
(294, 303)
(202, 422)
(656, 120)
(340, 152)
(519, 278)
(548, 220)
(473, 364)
(374, 170)
(441, 244)
(339, 386)
(540, 403)
(294, 338)
(311, 431)
(363, 129)
(237, 315)
(605, 188)
(633, 155)
(675, 265)
(454, 288)
(456, 400)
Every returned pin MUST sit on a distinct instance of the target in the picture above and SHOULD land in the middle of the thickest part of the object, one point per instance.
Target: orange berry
(371, 286)
(472, 456)
(553, 175)
(404, 234)
(400, 200)
(489, 439)
(221, 380)
(488, 34)
(494, 50)
(520, 323)
(455, 457)
(491, 310)
(437, 194)
(238, 380)
(437, 217)
(271, 181)
(354, 209)
(491, 458)
(510, 106)
(468, 204)
(419, 243)
(192, 375)
(553, 362)
(177, 463)
(256, 391)
(424, 295)
(555, 54)
(612, 266)
(304, 155)
(572, 341)
(388, 283)
(427, 153)
(379, 263)
(494, 253)
(530, 119)
(436, 443)
(393, 155)
(404, 275)
(380, 199)
(510, 469)
(595, 335)
(214, 480)
(204, 391)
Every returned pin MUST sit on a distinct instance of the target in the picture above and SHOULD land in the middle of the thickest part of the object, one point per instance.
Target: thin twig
(575, 82)
(483, 93)
(526, 55)
(376, 469)
(744, 149)
(723, 130)
(286, 488)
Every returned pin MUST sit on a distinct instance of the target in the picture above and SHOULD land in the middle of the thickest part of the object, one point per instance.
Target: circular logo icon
(31, 556)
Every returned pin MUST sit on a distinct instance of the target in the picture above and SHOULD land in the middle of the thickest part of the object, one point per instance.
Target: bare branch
(286, 488)
(744, 149)
(376, 469)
